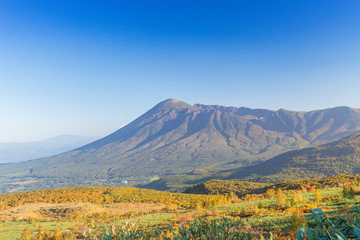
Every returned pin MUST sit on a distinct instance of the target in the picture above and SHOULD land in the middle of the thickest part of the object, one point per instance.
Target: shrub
(26, 234)
(332, 228)
(311, 189)
(281, 200)
(269, 193)
(318, 196)
(296, 199)
(170, 207)
(256, 209)
(297, 220)
(215, 229)
(261, 205)
(348, 192)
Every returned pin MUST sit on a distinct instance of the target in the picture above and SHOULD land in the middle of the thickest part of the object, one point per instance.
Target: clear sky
(89, 67)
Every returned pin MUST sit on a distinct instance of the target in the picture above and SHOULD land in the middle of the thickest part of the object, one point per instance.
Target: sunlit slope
(242, 188)
(100, 195)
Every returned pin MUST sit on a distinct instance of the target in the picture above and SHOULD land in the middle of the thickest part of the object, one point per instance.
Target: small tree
(296, 199)
(170, 207)
(293, 201)
(270, 193)
(26, 234)
(256, 209)
(281, 200)
(297, 220)
(318, 196)
(348, 192)
(199, 205)
(57, 235)
(233, 197)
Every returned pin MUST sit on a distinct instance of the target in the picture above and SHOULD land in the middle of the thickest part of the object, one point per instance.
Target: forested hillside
(339, 157)
(242, 188)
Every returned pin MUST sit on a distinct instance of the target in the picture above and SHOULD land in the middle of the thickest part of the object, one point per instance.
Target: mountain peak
(172, 100)
(172, 103)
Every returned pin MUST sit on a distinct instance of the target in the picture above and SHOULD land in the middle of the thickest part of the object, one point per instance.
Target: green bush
(348, 192)
(198, 229)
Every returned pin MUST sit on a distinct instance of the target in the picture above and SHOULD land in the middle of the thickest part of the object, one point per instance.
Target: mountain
(339, 157)
(329, 160)
(175, 137)
(16, 152)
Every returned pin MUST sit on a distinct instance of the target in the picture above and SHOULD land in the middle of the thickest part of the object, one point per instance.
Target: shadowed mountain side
(332, 159)
(339, 157)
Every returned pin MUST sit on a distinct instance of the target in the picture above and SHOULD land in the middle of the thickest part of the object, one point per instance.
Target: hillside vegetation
(130, 213)
(339, 157)
(332, 159)
(103, 195)
(241, 188)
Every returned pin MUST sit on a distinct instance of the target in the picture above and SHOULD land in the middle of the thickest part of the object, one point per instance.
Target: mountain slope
(339, 157)
(16, 152)
(241, 188)
(175, 137)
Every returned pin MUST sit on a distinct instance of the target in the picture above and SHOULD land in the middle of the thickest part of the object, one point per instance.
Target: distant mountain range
(16, 152)
(175, 137)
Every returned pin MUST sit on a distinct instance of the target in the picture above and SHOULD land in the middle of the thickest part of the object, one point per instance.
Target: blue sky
(89, 67)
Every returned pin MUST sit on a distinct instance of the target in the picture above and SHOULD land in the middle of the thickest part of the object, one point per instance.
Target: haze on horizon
(89, 67)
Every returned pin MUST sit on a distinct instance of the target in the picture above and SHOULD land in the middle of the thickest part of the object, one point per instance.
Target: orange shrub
(310, 189)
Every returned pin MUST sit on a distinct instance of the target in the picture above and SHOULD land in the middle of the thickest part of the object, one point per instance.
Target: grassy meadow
(97, 213)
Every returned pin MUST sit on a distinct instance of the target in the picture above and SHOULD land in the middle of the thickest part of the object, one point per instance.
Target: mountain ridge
(174, 137)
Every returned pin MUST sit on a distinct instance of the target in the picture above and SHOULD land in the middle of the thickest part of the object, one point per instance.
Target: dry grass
(122, 208)
(51, 211)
